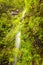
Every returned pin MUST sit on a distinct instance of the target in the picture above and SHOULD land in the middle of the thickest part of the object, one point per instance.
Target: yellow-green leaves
(34, 23)
(29, 21)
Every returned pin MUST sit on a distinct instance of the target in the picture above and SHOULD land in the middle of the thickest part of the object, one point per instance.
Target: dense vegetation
(31, 27)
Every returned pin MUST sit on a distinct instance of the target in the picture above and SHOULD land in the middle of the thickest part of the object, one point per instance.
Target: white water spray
(17, 41)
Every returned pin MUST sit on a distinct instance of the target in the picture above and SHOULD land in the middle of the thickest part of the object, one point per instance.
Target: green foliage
(31, 27)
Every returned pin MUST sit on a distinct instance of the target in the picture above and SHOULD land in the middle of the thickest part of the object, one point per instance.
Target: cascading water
(17, 42)
(17, 38)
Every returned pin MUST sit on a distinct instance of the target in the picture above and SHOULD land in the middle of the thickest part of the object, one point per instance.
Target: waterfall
(17, 44)
(17, 38)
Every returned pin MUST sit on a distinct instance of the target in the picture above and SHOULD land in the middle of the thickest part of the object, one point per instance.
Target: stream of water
(17, 38)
